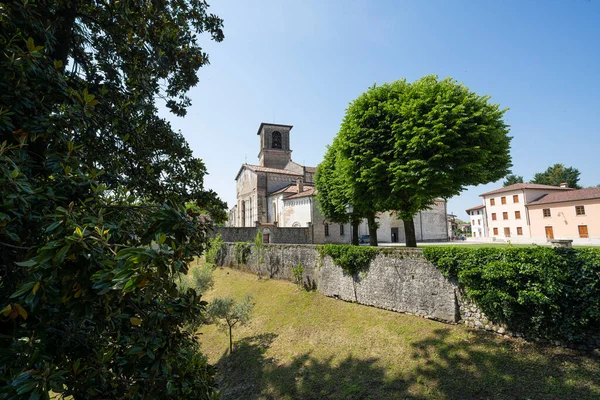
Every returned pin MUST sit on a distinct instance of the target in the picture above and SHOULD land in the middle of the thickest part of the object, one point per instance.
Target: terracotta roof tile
(519, 186)
(258, 168)
(307, 193)
(475, 208)
(572, 195)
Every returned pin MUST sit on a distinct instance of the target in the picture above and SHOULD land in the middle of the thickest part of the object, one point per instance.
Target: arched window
(326, 229)
(276, 140)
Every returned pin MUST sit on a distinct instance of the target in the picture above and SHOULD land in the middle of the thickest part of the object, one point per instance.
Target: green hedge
(538, 291)
(352, 259)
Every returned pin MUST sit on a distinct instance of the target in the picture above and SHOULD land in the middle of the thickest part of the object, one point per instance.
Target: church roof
(291, 189)
(267, 124)
(311, 191)
(258, 168)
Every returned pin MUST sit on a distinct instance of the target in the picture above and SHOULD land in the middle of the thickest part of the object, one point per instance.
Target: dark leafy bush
(352, 259)
(539, 291)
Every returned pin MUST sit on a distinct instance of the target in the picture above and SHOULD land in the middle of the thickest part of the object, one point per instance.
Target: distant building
(478, 221)
(573, 214)
(279, 192)
(506, 212)
(536, 213)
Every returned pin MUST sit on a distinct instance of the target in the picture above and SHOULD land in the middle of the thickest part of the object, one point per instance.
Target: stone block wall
(276, 234)
(398, 280)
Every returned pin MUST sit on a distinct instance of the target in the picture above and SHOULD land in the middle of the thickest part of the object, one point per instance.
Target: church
(280, 192)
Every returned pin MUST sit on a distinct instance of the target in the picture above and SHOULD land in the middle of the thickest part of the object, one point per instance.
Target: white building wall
(430, 225)
(478, 223)
(296, 211)
(511, 222)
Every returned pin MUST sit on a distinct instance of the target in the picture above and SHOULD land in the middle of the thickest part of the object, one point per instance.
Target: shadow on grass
(440, 367)
(485, 367)
(248, 374)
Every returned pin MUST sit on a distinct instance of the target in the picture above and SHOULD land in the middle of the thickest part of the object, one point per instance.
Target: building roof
(311, 170)
(571, 195)
(521, 186)
(258, 168)
(291, 191)
(268, 124)
(311, 191)
(476, 208)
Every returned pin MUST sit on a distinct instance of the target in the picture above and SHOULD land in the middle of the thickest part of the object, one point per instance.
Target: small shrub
(539, 291)
(199, 278)
(241, 251)
(297, 273)
(214, 253)
(259, 247)
(228, 313)
(352, 259)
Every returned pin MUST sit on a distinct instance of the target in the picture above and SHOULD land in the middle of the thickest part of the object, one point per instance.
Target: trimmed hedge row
(538, 291)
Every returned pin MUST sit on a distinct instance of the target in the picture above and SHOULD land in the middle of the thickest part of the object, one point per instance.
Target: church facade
(280, 192)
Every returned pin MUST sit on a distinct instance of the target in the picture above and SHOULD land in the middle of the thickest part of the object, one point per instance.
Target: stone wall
(398, 280)
(276, 234)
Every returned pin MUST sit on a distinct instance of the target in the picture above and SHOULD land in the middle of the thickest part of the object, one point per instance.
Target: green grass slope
(303, 345)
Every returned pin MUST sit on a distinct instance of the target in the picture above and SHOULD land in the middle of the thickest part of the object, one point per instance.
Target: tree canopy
(93, 227)
(406, 144)
(512, 180)
(557, 174)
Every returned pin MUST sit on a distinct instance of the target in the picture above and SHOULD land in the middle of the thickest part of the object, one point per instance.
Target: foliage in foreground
(93, 232)
(538, 291)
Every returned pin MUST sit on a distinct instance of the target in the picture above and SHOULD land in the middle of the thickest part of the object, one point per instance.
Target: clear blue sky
(301, 63)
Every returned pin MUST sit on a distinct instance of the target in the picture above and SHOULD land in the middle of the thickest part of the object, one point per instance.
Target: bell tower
(274, 145)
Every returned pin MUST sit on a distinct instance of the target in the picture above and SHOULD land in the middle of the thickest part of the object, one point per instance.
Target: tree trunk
(372, 230)
(409, 232)
(230, 341)
(355, 233)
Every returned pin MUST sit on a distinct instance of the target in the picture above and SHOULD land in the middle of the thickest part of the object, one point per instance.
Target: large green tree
(407, 144)
(557, 174)
(334, 194)
(93, 228)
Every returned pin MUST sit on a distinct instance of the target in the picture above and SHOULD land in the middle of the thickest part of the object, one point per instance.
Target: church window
(326, 229)
(341, 229)
(276, 140)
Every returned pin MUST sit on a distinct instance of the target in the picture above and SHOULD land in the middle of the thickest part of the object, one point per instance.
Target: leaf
(15, 173)
(36, 288)
(30, 44)
(23, 289)
(6, 310)
(28, 263)
(21, 311)
(135, 321)
(78, 232)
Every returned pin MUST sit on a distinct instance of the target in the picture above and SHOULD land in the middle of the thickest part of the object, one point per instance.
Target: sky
(301, 62)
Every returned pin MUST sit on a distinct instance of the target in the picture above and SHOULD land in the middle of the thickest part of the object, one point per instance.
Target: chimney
(299, 186)
(563, 185)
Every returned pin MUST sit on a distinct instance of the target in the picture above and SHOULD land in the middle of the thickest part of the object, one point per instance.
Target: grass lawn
(303, 345)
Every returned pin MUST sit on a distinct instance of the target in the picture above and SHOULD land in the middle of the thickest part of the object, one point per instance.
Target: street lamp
(349, 210)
